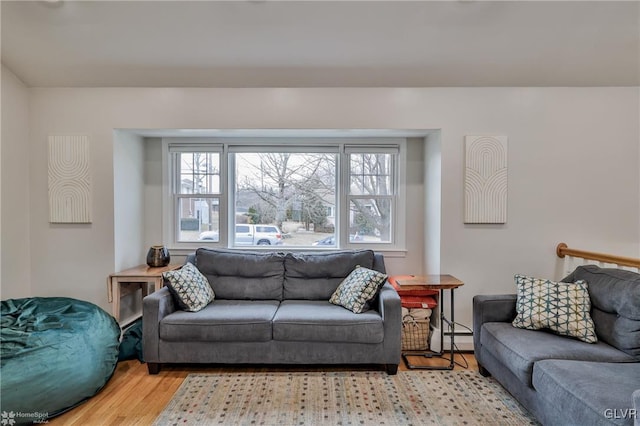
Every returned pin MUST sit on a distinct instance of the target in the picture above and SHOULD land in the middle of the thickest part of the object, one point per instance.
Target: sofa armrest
(494, 308)
(491, 308)
(155, 306)
(391, 310)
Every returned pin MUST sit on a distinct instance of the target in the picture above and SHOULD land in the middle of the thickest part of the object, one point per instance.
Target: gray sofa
(273, 308)
(560, 380)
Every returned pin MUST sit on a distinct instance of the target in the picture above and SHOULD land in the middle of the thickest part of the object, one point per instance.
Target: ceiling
(321, 43)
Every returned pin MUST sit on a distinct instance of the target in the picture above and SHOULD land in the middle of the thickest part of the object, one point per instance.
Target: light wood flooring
(133, 397)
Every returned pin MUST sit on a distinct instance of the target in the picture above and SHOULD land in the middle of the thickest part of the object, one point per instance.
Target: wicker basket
(415, 334)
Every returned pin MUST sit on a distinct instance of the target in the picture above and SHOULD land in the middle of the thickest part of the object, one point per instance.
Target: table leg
(452, 328)
(116, 298)
(144, 288)
(443, 320)
(110, 289)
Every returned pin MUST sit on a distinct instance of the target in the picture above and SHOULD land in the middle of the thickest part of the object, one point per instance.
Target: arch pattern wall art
(69, 179)
(485, 179)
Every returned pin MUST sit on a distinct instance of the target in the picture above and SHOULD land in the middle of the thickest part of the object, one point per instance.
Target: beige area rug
(343, 398)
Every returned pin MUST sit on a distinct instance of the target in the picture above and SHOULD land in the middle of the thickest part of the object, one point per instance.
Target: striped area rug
(343, 398)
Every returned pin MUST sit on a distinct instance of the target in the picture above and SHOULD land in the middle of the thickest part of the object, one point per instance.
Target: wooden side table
(441, 283)
(129, 280)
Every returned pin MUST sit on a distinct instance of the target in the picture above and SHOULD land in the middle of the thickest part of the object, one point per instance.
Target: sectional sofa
(562, 380)
(273, 308)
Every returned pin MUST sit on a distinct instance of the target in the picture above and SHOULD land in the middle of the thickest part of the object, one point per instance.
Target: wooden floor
(133, 397)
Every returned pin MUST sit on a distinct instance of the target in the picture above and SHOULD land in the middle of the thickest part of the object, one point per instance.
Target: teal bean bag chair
(55, 353)
(131, 343)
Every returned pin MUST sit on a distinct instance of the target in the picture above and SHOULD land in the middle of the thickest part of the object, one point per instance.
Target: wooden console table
(129, 280)
(442, 283)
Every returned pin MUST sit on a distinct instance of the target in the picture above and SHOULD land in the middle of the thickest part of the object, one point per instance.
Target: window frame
(393, 197)
(177, 194)
(342, 146)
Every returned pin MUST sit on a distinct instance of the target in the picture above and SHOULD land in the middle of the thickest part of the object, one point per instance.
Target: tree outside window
(370, 196)
(338, 194)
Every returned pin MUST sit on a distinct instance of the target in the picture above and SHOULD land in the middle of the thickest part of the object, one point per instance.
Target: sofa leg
(483, 371)
(153, 367)
(392, 369)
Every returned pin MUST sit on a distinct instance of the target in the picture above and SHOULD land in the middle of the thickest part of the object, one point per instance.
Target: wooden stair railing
(562, 250)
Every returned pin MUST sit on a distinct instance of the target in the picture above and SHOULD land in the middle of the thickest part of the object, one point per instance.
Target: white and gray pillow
(563, 308)
(189, 287)
(359, 288)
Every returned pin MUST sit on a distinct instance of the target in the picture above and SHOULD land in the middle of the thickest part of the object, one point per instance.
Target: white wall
(413, 262)
(432, 202)
(573, 176)
(15, 267)
(128, 199)
(129, 210)
(153, 192)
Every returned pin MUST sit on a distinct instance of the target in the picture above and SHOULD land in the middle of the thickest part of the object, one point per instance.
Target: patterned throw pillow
(357, 289)
(560, 307)
(190, 288)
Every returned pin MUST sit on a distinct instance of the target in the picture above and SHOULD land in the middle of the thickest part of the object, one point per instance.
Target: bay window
(288, 193)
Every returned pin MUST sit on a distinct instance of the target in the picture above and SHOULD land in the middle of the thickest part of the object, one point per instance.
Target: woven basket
(415, 334)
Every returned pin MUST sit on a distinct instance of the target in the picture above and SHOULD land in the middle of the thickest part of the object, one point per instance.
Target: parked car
(249, 235)
(326, 241)
(258, 235)
(331, 240)
(209, 236)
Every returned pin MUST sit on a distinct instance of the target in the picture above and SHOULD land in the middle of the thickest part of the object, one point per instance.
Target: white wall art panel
(69, 179)
(485, 181)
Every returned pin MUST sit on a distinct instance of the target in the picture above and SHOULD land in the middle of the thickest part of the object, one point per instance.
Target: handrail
(562, 250)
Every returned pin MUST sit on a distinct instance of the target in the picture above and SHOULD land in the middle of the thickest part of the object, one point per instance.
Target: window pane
(199, 172)
(285, 194)
(199, 219)
(370, 174)
(370, 220)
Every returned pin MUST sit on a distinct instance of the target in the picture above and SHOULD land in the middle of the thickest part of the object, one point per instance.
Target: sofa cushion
(518, 349)
(320, 321)
(563, 308)
(316, 276)
(242, 275)
(358, 289)
(222, 321)
(189, 287)
(588, 392)
(615, 297)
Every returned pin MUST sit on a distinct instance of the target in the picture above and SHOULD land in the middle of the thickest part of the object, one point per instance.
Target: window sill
(390, 253)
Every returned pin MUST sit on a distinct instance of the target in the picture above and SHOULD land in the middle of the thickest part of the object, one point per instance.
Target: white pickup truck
(249, 235)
